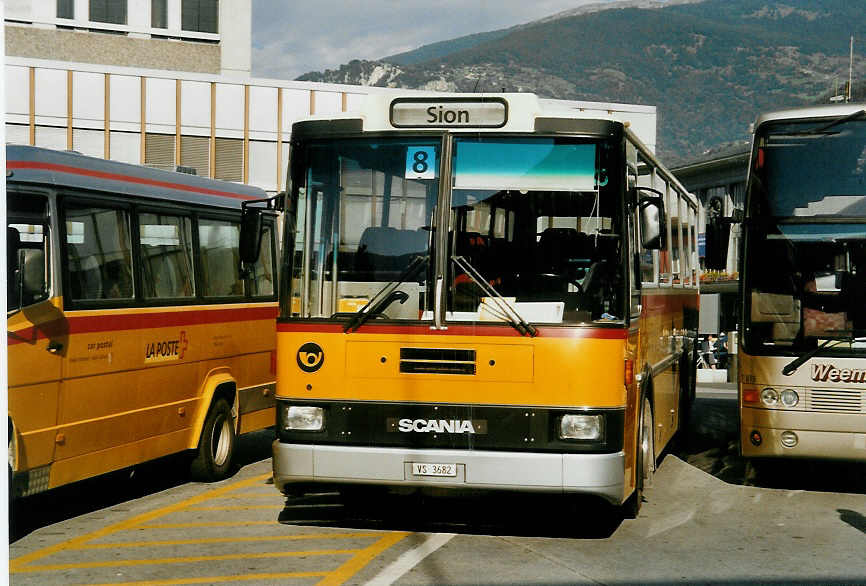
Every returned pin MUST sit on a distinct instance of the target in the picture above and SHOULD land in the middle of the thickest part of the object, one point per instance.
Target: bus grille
(437, 361)
(838, 401)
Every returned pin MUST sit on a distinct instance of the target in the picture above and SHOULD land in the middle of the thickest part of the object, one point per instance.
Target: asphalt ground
(705, 519)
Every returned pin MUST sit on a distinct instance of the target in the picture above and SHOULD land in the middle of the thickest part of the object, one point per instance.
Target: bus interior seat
(383, 248)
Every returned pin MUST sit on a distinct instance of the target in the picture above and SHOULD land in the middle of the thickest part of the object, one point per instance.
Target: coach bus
(481, 292)
(132, 331)
(802, 388)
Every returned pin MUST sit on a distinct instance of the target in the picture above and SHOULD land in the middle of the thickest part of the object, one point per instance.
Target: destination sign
(449, 113)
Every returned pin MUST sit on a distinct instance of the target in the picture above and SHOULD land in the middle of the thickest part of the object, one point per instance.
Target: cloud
(292, 37)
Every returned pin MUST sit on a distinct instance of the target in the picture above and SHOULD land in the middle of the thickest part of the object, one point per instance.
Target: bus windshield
(807, 283)
(812, 169)
(27, 238)
(539, 220)
(805, 275)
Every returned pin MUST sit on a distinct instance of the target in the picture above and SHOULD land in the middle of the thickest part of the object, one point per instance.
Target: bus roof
(819, 111)
(486, 112)
(39, 166)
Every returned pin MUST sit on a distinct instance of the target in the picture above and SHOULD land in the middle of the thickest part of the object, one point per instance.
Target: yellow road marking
(212, 579)
(255, 495)
(357, 562)
(235, 508)
(18, 563)
(121, 544)
(195, 524)
(352, 566)
(184, 560)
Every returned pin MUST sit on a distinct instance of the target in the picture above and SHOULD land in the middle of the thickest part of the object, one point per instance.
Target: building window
(200, 16)
(66, 9)
(158, 14)
(110, 11)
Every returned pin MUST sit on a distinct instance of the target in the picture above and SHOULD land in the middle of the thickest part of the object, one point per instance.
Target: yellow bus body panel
(554, 372)
(124, 386)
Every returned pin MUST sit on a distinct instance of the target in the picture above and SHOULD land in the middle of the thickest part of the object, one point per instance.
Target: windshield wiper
(386, 295)
(842, 337)
(514, 318)
(825, 127)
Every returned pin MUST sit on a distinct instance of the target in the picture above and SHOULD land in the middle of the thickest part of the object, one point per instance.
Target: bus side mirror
(652, 221)
(13, 244)
(13, 266)
(251, 235)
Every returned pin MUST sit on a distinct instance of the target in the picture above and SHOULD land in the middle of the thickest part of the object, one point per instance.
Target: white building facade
(131, 80)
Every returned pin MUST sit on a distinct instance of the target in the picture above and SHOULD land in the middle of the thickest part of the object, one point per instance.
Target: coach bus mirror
(652, 222)
(251, 235)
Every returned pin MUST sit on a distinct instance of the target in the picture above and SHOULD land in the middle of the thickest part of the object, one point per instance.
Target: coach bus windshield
(539, 220)
(805, 276)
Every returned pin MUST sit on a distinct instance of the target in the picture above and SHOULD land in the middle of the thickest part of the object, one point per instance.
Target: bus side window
(262, 274)
(166, 256)
(98, 253)
(218, 247)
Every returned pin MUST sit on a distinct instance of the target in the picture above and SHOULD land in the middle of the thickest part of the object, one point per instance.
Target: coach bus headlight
(581, 427)
(769, 397)
(789, 398)
(303, 418)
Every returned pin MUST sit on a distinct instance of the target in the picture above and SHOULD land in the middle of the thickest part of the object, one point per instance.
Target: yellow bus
(802, 357)
(482, 292)
(132, 331)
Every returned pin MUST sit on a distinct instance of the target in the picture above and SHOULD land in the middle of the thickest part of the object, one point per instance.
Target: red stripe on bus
(137, 321)
(124, 178)
(456, 330)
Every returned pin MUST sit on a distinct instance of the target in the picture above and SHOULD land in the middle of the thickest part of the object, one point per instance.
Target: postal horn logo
(310, 357)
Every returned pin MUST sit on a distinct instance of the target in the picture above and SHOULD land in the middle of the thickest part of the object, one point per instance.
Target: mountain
(709, 66)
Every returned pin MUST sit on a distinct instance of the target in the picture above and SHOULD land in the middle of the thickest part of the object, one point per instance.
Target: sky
(292, 37)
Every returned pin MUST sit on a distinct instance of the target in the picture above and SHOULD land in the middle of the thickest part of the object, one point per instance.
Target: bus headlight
(297, 418)
(769, 397)
(789, 398)
(581, 427)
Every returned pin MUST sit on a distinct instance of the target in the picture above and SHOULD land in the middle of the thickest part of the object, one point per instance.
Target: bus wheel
(644, 460)
(217, 443)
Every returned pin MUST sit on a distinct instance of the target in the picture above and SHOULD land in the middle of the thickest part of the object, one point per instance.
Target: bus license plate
(423, 469)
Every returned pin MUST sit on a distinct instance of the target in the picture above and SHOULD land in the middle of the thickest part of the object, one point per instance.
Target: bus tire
(644, 459)
(213, 457)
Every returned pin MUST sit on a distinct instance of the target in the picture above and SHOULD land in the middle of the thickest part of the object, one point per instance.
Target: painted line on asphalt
(236, 508)
(204, 540)
(403, 564)
(360, 560)
(202, 524)
(20, 563)
(215, 579)
(185, 560)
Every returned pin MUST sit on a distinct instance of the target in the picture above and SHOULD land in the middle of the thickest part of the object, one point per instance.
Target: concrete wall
(34, 30)
(107, 49)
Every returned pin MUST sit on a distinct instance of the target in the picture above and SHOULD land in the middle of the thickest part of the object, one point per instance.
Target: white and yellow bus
(132, 332)
(484, 294)
(803, 275)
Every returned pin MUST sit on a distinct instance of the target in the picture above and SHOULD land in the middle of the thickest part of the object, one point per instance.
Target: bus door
(37, 334)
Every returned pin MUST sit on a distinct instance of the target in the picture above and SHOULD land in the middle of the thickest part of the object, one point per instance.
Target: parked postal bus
(803, 278)
(482, 293)
(131, 331)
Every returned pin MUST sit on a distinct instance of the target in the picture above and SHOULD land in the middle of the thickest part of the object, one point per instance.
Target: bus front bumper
(600, 475)
(847, 441)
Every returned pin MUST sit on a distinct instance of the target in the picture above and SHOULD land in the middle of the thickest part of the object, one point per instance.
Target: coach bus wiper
(514, 318)
(386, 295)
(841, 337)
(822, 129)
